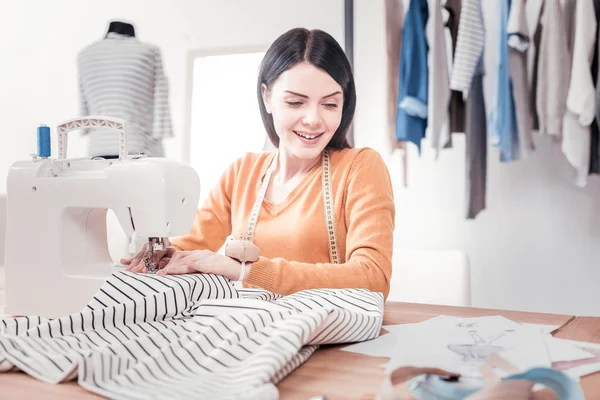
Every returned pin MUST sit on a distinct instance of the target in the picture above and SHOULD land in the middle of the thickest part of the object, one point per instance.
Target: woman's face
(306, 104)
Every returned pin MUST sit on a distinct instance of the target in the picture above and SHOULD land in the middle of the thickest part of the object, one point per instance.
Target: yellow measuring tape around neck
(334, 256)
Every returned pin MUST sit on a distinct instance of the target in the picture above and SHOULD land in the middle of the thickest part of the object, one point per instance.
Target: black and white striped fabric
(186, 336)
(121, 77)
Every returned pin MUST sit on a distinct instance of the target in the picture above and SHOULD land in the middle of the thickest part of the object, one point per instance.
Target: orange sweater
(291, 236)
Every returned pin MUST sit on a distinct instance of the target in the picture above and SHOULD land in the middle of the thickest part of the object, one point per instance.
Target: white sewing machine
(56, 255)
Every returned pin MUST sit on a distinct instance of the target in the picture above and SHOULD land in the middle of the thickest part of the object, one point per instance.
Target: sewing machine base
(71, 296)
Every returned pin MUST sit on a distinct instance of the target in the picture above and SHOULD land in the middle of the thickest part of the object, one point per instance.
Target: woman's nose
(312, 116)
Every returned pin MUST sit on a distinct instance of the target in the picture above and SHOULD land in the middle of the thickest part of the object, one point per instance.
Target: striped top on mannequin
(121, 77)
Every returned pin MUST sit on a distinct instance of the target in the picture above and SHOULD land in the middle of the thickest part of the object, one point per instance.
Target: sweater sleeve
(370, 214)
(212, 223)
(162, 126)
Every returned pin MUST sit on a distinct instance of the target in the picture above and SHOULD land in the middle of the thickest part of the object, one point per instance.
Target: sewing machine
(57, 255)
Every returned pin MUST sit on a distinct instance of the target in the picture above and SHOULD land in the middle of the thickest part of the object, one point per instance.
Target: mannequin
(123, 77)
(122, 28)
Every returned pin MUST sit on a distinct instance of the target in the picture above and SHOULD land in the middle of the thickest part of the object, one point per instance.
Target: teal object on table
(430, 387)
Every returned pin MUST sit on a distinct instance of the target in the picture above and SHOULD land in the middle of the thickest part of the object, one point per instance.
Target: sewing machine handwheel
(116, 124)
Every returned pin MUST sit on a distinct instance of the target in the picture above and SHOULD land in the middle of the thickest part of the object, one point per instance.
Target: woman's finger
(181, 254)
(163, 262)
(158, 255)
(133, 264)
(176, 268)
(140, 268)
(135, 260)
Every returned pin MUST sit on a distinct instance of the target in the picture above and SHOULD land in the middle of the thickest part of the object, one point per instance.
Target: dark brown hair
(321, 50)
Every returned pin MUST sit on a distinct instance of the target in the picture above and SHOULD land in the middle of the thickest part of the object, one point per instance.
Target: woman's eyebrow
(297, 94)
(332, 94)
(306, 97)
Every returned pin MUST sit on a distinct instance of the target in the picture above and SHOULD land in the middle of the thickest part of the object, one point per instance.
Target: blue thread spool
(43, 141)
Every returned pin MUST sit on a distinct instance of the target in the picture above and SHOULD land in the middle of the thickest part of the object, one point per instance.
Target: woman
(321, 213)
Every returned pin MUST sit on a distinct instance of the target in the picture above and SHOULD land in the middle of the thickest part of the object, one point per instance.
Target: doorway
(224, 119)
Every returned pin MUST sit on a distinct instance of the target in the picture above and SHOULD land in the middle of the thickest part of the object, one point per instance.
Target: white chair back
(431, 277)
(2, 226)
(2, 244)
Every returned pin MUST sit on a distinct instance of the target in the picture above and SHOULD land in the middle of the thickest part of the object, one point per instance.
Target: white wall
(536, 247)
(40, 40)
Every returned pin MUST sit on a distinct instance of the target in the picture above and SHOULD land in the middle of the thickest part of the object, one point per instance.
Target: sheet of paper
(542, 350)
(561, 350)
(581, 367)
(462, 345)
(547, 329)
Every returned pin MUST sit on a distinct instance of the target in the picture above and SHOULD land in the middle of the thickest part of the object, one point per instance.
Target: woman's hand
(204, 261)
(137, 264)
(242, 250)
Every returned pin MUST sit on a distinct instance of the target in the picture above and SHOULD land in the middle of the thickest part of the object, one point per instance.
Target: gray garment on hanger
(533, 11)
(553, 67)
(518, 44)
(457, 104)
(476, 145)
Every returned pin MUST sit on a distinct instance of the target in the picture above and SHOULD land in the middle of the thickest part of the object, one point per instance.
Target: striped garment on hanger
(469, 46)
(186, 336)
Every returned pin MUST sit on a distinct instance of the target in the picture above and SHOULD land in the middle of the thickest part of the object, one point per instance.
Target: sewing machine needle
(150, 264)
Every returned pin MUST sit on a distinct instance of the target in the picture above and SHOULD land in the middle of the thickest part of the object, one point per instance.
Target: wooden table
(342, 375)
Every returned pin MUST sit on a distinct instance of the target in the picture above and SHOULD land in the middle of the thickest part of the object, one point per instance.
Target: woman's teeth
(307, 136)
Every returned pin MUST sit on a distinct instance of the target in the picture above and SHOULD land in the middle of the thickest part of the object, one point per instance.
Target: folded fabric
(186, 336)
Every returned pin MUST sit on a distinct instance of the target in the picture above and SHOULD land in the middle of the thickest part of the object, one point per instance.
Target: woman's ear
(264, 90)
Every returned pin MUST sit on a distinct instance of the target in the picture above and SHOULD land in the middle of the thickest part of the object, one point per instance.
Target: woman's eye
(331, 105)
(294, 103)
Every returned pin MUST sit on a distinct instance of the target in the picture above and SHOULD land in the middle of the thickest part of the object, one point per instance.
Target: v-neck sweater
(292, 235)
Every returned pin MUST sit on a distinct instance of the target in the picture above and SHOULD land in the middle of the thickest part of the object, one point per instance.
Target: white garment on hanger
(581, 98)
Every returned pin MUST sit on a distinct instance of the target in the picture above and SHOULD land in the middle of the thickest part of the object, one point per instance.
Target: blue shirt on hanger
(411, 115)
(502, 122)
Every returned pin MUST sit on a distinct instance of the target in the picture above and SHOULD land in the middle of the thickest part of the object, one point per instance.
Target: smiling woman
(314, 213)
(313, 103)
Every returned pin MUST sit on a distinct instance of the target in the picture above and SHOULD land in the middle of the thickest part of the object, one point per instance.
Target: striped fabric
(122, 77)
(186, 336)
(469, 46)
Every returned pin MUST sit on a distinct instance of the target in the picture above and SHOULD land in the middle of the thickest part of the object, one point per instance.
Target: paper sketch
(480, 349)
(462, 345)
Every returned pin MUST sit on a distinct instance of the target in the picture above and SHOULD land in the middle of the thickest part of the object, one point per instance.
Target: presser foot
(150, 266)
(154, 244)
